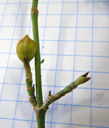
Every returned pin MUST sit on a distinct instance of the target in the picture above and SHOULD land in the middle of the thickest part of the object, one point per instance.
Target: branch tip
(86, 74)
(82, 79)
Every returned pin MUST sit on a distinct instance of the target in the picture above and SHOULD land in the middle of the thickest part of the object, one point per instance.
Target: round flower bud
(26, 49)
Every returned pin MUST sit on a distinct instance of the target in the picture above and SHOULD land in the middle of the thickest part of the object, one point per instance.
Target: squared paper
(74, 39)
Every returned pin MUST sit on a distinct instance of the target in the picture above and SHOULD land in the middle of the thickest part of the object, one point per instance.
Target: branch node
(34, 10)
(30, 89)
(32, 100)
(37, 111)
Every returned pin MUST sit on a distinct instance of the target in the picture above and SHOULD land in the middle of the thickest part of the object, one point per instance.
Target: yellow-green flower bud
(26, 49)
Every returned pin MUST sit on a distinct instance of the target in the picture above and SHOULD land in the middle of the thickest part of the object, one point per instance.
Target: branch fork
(26, 50)
(34, 10)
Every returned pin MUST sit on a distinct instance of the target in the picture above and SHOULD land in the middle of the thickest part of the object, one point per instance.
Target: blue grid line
(3, 14)
(61, 55)
(14, 100)
(57, 86)
(55, 27)
(67, 40)
(65, 70)
(60, 86)
(59, 2)
(8, 56)
(45, 26)
(78, 125)
(87, 106)
(74, 58)
(17, 99)
(57, 60)
(81, 106)
(91, 67)
(78, 41)
(55, 14)
(56, 123)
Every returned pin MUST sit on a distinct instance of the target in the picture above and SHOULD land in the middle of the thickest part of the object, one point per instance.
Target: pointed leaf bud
(26, 49)
(82, 79)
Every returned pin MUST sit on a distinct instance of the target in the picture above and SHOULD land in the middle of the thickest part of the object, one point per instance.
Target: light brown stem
(52, 98)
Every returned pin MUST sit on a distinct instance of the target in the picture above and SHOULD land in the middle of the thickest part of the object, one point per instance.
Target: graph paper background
(74, 39)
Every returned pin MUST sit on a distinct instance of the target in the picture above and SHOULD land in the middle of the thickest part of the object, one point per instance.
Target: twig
(30, 88)
(52, 98)
(39, 114)
(37, 56)
(26, 50)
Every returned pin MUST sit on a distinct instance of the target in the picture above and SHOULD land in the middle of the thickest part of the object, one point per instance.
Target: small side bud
(26, 49)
